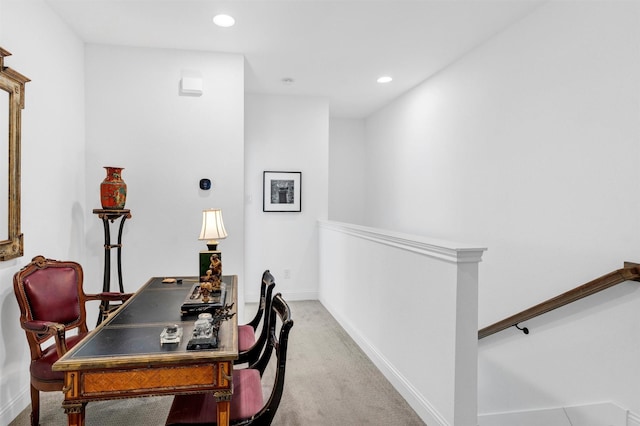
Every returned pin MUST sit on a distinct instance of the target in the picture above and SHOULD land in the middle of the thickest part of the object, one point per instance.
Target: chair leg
(35, 406)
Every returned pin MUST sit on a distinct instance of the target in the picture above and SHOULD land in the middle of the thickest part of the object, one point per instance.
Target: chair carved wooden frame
(248, 404)
(249, 347)
(52, 302)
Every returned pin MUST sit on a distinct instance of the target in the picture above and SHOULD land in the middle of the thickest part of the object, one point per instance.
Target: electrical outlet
(287, 274)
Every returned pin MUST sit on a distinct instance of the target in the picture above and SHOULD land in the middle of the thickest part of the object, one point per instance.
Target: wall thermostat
(205, 184)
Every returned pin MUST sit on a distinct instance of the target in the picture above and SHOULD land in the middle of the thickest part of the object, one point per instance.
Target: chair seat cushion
(246, 337)
(200, 409)
(41, 368)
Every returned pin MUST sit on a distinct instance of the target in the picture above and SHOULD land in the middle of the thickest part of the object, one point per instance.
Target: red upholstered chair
(248, 404)
(249, 348)
(52, 302)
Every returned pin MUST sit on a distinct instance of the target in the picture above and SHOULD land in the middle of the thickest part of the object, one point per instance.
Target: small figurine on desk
(215, 265)
(210, 278)
(216, 283)
(207, 294)
(208, 284)
(206, 287)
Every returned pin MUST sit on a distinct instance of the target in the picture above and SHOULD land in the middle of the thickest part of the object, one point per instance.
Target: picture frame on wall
(282, 191)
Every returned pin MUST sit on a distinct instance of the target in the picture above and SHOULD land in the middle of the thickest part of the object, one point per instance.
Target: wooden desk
(123, 357)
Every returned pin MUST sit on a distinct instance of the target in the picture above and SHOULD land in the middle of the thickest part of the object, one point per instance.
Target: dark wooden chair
(248, 406)
(250, 347)
(52, 302)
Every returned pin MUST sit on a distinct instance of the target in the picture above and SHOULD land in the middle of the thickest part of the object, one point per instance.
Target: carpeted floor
(329, 381)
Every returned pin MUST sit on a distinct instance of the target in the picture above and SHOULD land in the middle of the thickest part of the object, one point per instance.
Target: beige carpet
(329, 381)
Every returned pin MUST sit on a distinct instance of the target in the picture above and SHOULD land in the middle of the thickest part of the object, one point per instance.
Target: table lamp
(212, 231)
(212, 228)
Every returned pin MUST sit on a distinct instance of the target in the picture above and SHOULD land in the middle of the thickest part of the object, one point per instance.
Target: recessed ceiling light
(224, 21)
(384, 79)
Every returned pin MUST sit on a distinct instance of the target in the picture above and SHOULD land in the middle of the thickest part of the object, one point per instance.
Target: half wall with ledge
(411, 304)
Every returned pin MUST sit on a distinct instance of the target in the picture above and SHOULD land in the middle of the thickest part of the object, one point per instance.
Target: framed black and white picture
(282, 191)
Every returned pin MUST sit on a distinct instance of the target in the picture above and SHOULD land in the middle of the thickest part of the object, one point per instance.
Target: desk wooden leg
(224, 409)
(223, 396)
(75, 413)
(223, 402)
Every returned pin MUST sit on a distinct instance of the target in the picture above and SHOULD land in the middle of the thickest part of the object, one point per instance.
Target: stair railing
(630, 272)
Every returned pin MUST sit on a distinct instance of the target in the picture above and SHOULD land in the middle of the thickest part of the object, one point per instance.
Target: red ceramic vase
(113, 190)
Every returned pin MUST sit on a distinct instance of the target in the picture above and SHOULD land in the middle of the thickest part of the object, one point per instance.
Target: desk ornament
(113, 190)
(206, 328)
(171, 334)
(205, 296)
(210, 260)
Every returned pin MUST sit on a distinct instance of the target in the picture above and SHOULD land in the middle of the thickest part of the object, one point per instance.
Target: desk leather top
(132, 333)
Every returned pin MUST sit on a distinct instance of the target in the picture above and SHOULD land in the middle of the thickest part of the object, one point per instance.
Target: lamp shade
(212, 227)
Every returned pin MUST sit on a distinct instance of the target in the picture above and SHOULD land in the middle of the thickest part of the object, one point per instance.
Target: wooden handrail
(630, 272)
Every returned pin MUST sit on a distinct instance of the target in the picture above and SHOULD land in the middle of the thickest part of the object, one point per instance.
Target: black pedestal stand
(110, 216)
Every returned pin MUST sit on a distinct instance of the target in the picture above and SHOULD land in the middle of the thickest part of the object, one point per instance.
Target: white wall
(53, 205)
(285, 133)
(346, 162)
(166, 143)
(529, 146)
(135, 119)
(375, 282)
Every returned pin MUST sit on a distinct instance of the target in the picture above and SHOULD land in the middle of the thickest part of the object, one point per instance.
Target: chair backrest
(252, 354)
(50, 291)
(279, 318)
(267, 281)
(246, 407)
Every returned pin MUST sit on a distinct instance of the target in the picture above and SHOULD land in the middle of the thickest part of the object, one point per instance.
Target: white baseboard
(596, 414)
(9, 412)
(417, 401)
(289, 296)
(548, 417)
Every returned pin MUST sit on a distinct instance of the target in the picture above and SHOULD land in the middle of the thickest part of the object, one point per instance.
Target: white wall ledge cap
(441, 249)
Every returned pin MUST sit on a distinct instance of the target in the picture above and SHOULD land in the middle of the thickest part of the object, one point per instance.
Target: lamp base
(210, 260)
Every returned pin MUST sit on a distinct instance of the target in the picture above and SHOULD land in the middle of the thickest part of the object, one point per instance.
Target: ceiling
(332, 49)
